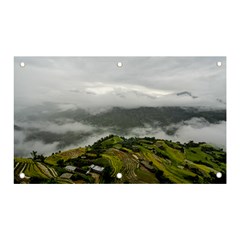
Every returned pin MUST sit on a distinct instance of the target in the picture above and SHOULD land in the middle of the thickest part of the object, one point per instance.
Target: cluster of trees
(78, 162)
(209, 164)
(170, 144)
(61, 163)
(222, 158)
(217, 157)
(80, 176)
(191, 144)
(161, 177)
(162, 155)
(56, 152)
(153, 139)
(128, 143)
(106, 177)
(193, 169)
(193, 179)
(37, 180)
(37, 157)
(212, 178)
(207, 149)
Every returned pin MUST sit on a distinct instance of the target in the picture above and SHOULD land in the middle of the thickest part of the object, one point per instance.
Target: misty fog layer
(214, 134)
(47, 137)
(66, 102)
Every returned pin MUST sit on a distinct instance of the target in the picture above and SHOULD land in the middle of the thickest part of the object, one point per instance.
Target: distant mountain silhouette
(185, 93)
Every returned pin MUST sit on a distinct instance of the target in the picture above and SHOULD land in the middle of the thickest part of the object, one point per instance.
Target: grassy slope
(33, 169)
(66, 155)
(114, 161)
(112, 141)
(179, 164)
(36, 169)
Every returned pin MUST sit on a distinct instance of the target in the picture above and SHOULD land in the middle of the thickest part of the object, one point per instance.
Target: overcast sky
(99, 82)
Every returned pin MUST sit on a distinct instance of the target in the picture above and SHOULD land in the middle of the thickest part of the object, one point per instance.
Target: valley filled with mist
(48, 129)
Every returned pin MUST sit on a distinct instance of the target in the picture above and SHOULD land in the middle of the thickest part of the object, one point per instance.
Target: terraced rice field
(139, 161)
(34, 169)
(129, 166)
(66, 155)
(114, 161)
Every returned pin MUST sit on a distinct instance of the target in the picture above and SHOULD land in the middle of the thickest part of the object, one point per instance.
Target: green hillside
(140, 160)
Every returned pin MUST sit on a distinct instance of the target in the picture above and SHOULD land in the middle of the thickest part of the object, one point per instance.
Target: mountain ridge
(139, 160)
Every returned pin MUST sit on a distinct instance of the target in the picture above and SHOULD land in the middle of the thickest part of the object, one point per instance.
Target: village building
(96, 168)
(66, 175)
(70, 168)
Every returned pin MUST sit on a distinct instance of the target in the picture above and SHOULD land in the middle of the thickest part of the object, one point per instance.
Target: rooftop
(70, 168)
(66, 175)
(97, 168)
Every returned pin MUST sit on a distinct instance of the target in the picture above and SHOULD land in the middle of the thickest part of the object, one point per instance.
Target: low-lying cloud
(196, 129)
(22, 148)
(213, 133)
(63, 126)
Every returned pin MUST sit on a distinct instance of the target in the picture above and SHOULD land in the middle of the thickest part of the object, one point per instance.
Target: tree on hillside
(160, 176)
(40, 157)
(107, 175)
(61, 163)
(34, 155)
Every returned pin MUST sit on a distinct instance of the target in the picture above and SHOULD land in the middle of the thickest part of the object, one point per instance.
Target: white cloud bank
(195, 129)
